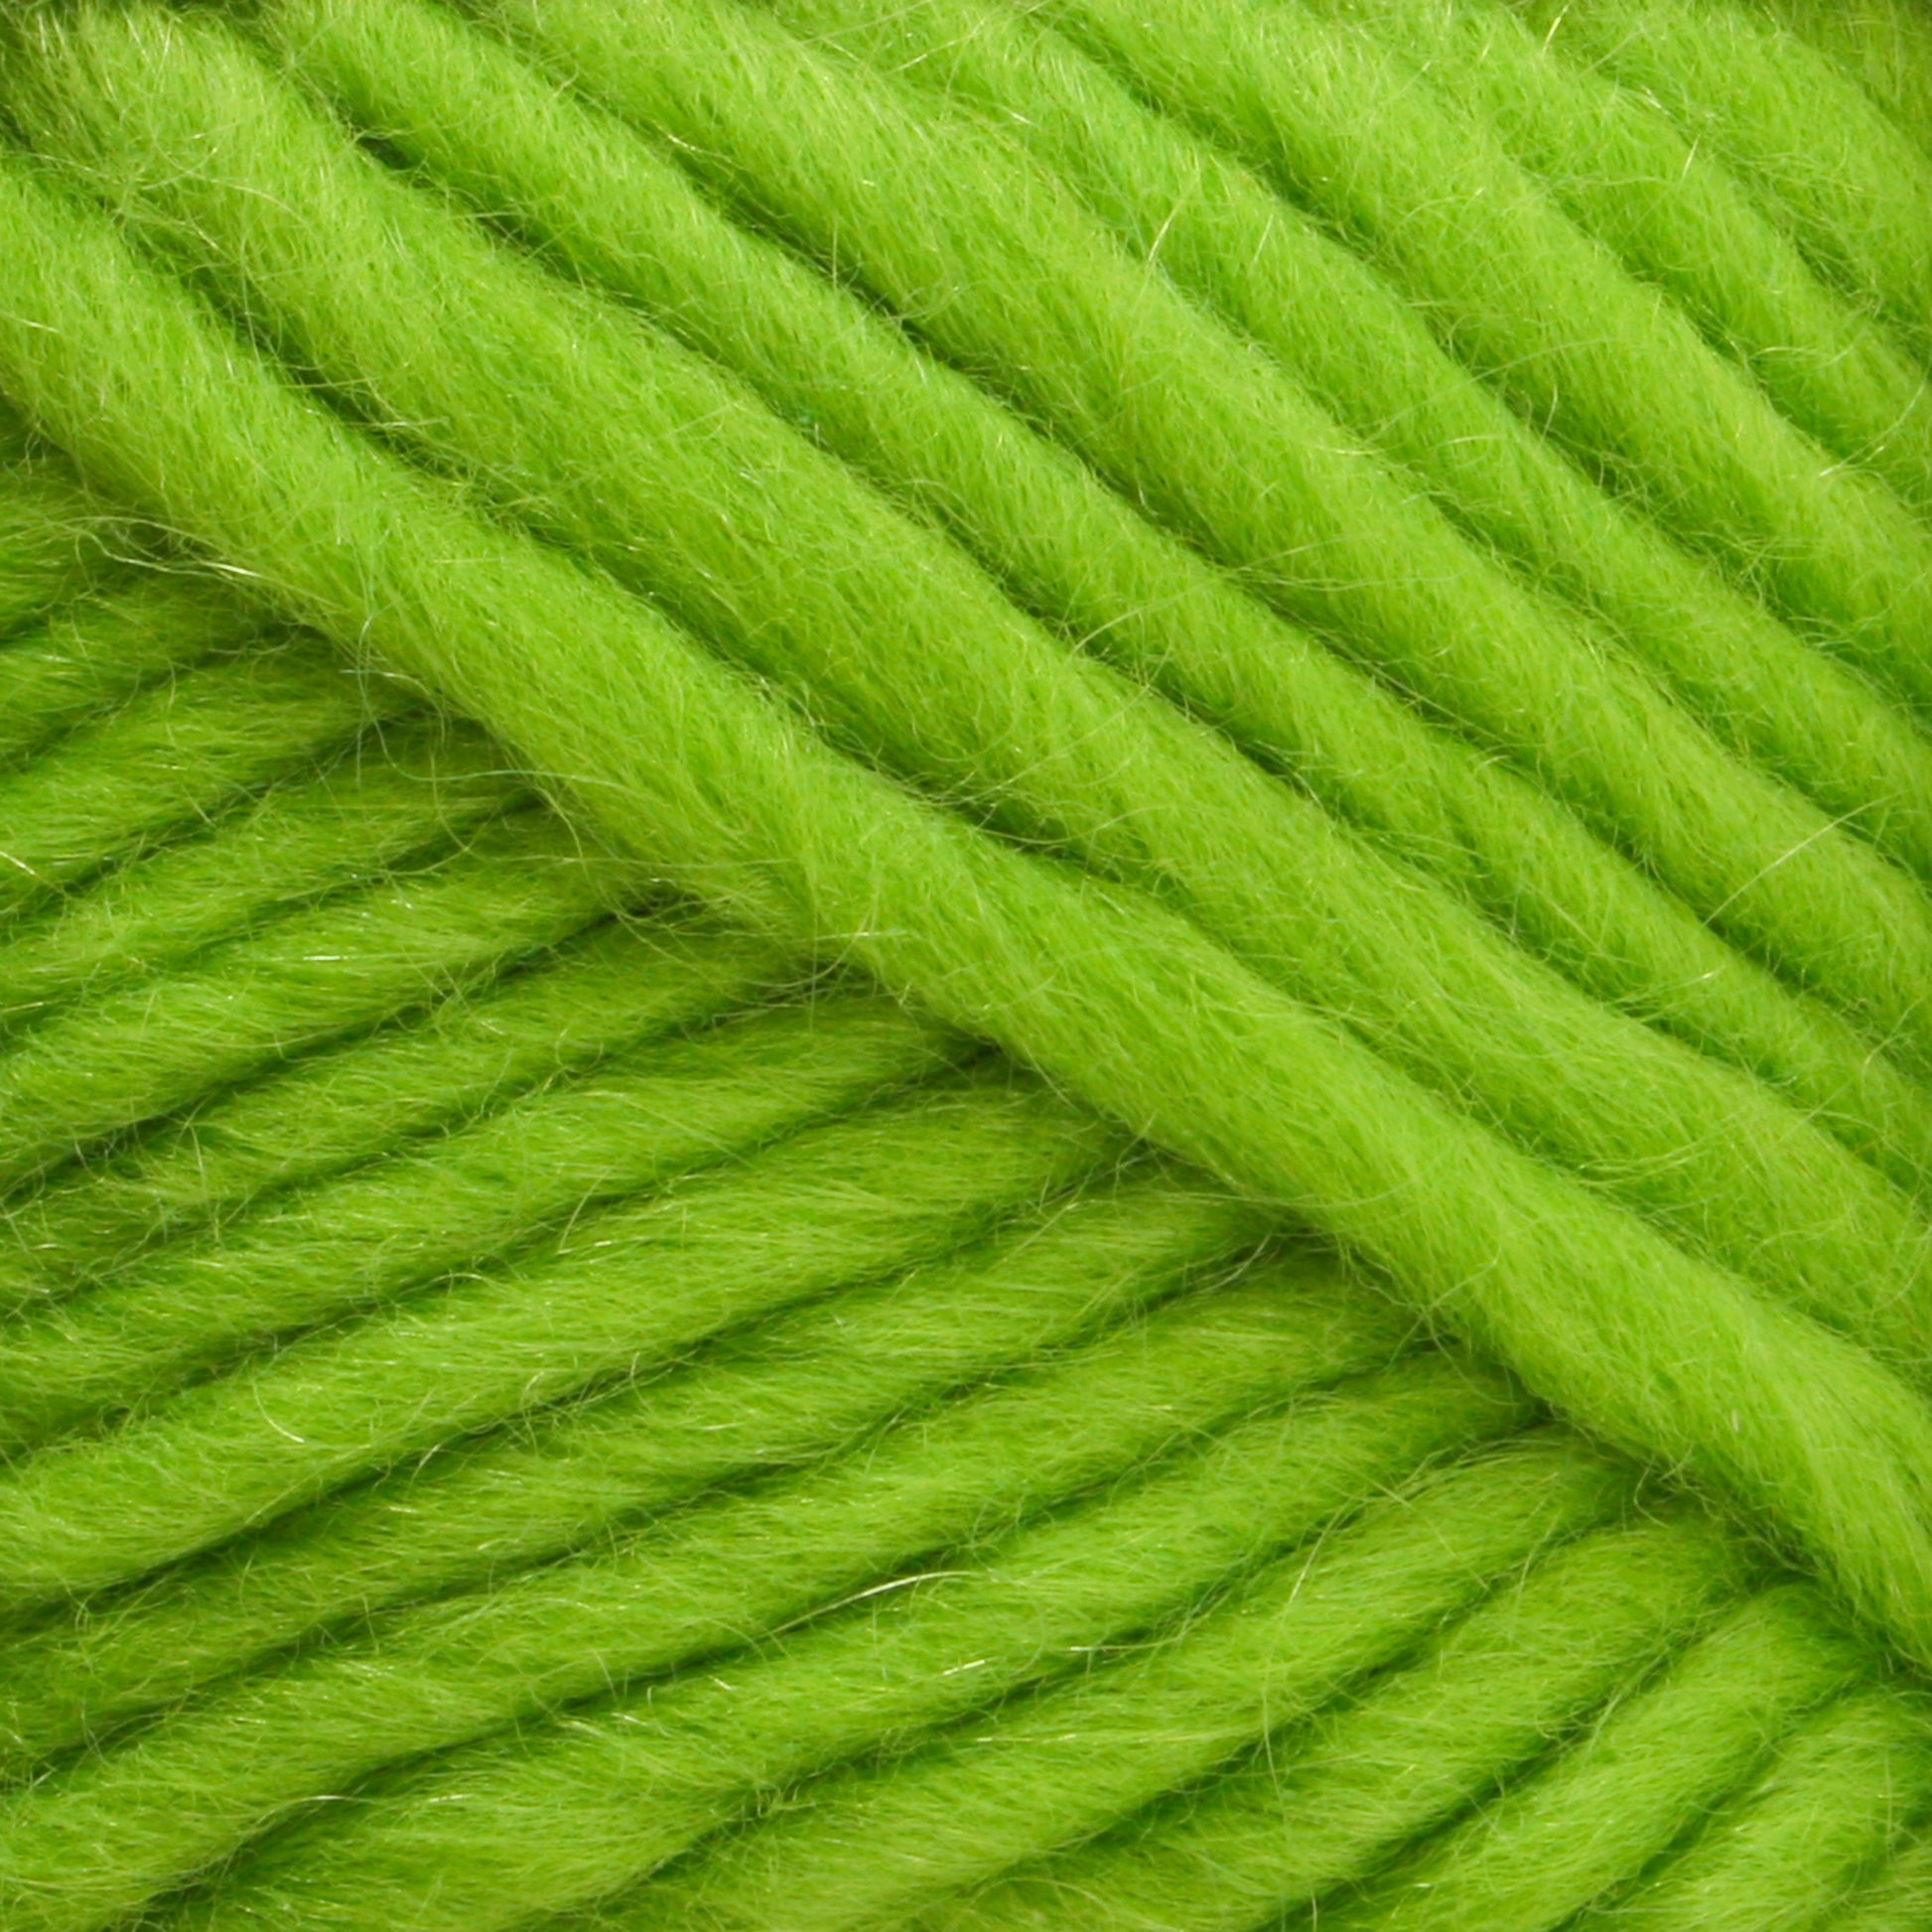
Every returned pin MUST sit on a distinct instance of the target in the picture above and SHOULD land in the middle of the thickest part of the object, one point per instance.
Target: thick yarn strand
(1056, 746)
(187, 1791)
(1844, 182)
(312, 976)
(175, 754)
(593, 192)
(1523, 1671)
(1575, 343)
(804, 1381)
(1142, 385)
(342, 1107)
(1624, 174)
(394, 801)
(1839, 1794)
(1590, 1822)
(468, 1196)
(623, 1788)
(96, 651)
(1273, 272)
(1125, 1004)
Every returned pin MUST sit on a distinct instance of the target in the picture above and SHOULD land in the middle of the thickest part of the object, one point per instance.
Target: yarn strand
(1126, 1004)
(623, 215)
(448, 1671)
(804, 1381)
(1052, 746)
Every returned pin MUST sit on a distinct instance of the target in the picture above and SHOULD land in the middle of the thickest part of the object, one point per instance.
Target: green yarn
(55, 539)
(809, 1379)
(1277, 276)
(96, 651)
(1126, 1004)
(1839, 1793)
(1848, 187)
(871, 1847)
(1081, 558)
(812, 147)
(1624, 174)
(1595, 1818)
(1896, 1898)
(1584, 351)
(1051, 746)
(186, 1791)
(380, 807)
(750, 1130)
(396, 1225)
(622, 1795)
(337, 1108)
(1884, 44)
(102, 1066)
(1522, 1671)
(168, 759)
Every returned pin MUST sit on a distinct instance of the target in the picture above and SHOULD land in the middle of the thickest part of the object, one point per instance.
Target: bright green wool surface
(966, 966)
(1274, 273)
(1826, 162)
(1049, 745)
(1531, 302)
(769, 822)
(857, 385)
(1171, 409)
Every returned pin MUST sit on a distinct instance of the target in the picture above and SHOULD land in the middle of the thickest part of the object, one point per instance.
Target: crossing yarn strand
(808, 145)
(1051, 748)
(964, 966)
(598, 194)
(1499, 1260)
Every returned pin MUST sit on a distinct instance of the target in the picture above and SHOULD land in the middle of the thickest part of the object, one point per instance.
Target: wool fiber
(965, 966)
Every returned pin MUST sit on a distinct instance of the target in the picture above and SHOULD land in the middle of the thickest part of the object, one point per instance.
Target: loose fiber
(1624, 174)
(569, 1313)
(1595, 1817)
(56, 538)
(1847, 184)
(878, 872)
(1275, 275)
(97, 650)
(1220, 1069)
(401, 801)
(168, 759)
(1048, 745)
(1885, 45)
(1895, 1897)
(870, 1848)
(314, 975)
(1839, 1791)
